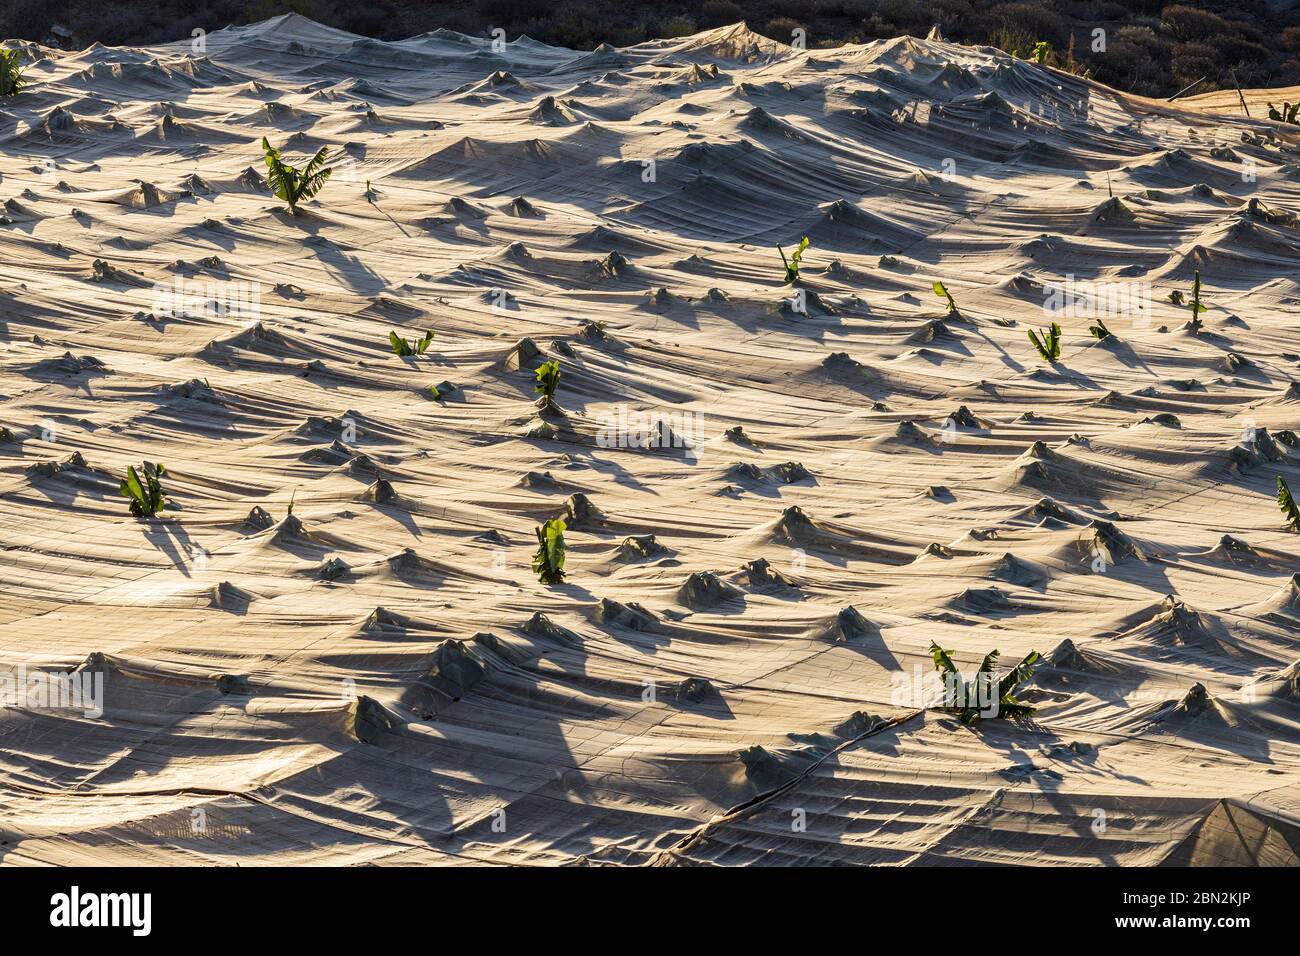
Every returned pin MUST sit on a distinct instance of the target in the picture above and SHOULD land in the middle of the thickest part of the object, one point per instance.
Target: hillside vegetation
(1152, 48)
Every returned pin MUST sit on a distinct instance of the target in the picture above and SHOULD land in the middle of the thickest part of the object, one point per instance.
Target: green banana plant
(964, 700)
(405, 347)
(145, 493)
(290, 184)
(548, 562)
(1195, 306)
(548, 380)
(1287, 504)
(1287, 114)
(1049, 346)
(792, 264)
(11, 72)
(942, 292)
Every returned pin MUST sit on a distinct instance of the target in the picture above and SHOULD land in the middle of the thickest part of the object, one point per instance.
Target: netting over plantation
(395, 595)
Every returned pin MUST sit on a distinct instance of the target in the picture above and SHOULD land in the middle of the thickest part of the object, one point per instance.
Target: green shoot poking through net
(405, 347)
(548, 562)
(942, 292)
(1195, 306)
(548, 380)
(792, 264)
(1287, 114)
(144, 489)
(1287, 505)
(1049, 345)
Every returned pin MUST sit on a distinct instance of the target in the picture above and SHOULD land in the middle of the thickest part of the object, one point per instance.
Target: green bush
(1010, 40)
(11, 72)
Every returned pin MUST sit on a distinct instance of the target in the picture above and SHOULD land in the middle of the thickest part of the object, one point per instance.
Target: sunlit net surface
(378, 678)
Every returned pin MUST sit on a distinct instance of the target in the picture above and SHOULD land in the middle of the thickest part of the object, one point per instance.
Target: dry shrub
(780, 28)
(682, 26)
(1191, 61)
(1288, 73)
(849, 9)
(29, 19)
(512, 11)
(1146, 38)
(955, 16)
(1031, 20)
(1238, 51)
(720, 13)
(1131, 64)
(576, 26)
(908, 16)
(799, 10)
(1190, 24)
